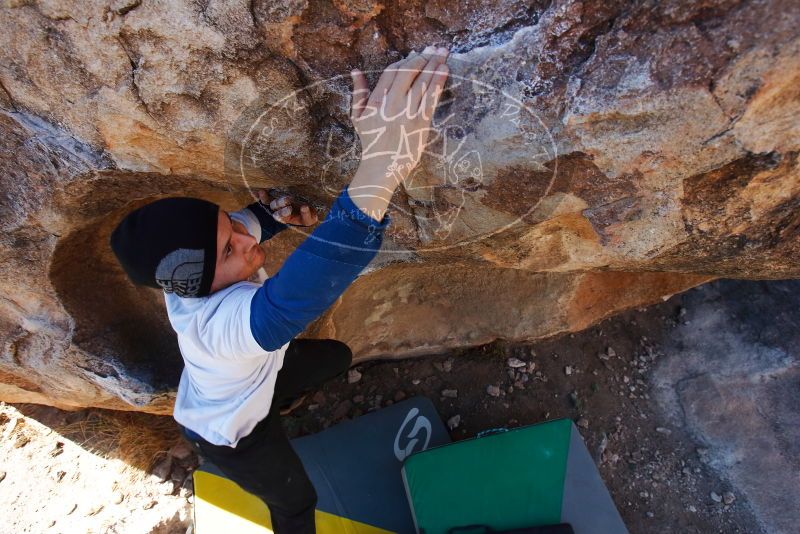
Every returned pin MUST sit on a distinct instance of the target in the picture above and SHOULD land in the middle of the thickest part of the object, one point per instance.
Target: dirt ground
(91, 474)
(657, 472)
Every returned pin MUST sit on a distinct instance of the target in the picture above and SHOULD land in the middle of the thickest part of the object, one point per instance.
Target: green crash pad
(526, 477)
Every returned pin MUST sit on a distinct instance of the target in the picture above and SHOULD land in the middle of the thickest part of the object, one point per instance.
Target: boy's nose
(241, 231)
(246, 240)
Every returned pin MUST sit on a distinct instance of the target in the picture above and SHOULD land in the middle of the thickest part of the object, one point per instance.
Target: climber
(236, 336)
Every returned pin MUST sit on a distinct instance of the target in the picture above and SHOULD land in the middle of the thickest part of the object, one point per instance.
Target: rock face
(730, 378)
(590, 156)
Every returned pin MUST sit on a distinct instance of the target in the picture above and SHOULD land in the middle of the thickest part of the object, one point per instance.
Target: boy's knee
(334, 358)
(343, 355)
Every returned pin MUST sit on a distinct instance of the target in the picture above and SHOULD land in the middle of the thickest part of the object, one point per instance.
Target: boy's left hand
(287, 211)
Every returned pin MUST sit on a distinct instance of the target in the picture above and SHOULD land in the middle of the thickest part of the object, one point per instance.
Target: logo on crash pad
(409, 437)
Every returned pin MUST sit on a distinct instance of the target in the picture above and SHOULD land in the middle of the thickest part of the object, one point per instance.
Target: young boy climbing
(236, 336)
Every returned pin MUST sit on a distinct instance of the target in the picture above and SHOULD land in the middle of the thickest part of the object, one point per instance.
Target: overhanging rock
(593, 156)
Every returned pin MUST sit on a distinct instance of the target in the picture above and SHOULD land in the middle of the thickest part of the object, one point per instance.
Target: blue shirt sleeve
(316, 273)
(269, 226)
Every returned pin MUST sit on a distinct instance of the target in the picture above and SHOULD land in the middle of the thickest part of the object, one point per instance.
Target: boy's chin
(260, 257)
(259, 263)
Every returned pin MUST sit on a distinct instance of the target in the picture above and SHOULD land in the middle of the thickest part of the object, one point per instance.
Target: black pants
(263, 462)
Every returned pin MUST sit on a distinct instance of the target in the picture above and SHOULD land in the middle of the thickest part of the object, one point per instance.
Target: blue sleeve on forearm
(269, 226)
(316, 273)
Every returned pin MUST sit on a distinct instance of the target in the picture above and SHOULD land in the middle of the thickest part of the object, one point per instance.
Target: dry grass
(139, 440)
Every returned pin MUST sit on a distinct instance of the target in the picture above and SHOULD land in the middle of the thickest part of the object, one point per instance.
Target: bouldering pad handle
(490, 431)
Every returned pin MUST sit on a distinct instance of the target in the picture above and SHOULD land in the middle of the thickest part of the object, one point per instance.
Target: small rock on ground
(516, 363)
(353, 376)
(453, 422)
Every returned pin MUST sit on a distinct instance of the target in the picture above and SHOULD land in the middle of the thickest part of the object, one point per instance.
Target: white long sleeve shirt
(227, 385)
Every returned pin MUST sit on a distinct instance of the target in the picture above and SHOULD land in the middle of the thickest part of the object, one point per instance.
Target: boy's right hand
(393, 121)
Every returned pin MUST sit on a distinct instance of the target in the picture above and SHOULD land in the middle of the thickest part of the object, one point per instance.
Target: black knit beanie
(171, 244)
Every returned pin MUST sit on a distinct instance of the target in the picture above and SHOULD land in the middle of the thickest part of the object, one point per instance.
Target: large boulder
(590, 156)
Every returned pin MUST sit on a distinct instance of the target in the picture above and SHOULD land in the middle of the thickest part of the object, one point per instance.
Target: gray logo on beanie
(181, 272)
